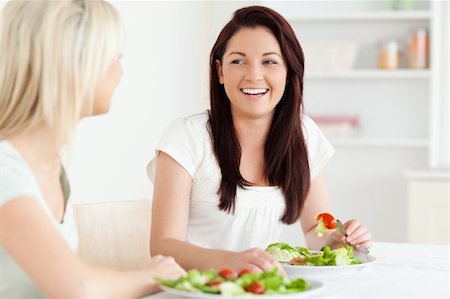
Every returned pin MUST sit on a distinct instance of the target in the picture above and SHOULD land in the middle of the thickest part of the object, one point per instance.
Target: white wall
(165, 66)
(442, 159)
(219, 13)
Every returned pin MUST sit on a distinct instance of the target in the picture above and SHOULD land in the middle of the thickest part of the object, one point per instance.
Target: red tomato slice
(297, 261)
(255, 288)
(244, 271)
(214, 283)
(328, 220)
(226, 273)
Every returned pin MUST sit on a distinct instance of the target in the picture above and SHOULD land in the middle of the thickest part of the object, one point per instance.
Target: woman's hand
(357, 235)
(165, 267)
(255, 260)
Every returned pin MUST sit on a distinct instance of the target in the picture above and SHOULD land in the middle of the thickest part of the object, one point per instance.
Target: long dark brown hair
(285, 152)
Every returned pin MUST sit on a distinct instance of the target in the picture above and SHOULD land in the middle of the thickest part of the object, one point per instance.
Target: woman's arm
(316, 203)
(36, 245)
(170, 214)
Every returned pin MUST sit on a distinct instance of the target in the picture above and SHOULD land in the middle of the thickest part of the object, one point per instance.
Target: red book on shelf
(337, 125)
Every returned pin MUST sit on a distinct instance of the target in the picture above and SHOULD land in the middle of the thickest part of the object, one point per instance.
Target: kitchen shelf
(380, 142)
(369, 74)
(424, 174)
(364, 16)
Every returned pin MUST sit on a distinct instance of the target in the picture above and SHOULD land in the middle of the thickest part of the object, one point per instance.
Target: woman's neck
(252, 131)
(39, 147)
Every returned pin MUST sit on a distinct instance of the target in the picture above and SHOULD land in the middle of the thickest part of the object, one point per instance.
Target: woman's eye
(237, 61)
(270, 61)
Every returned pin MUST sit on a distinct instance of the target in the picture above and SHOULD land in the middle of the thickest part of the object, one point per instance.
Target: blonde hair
(52, 54)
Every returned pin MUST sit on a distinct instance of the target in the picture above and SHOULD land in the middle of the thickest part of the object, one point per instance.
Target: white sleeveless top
(256, 220)
(17, 179)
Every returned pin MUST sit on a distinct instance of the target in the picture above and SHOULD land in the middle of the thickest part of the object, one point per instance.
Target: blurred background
(376, 82)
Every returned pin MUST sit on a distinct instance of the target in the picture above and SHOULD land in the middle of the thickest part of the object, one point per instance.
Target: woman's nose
(254, 72)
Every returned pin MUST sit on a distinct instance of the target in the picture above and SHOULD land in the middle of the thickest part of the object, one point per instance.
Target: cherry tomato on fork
(226, 273)
(328, 220)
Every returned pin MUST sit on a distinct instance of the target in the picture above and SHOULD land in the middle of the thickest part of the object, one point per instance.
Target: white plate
(321, 271)
(314, 286)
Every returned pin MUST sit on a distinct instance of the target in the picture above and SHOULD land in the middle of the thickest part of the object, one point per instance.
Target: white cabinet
(428, 207)
(395, 108)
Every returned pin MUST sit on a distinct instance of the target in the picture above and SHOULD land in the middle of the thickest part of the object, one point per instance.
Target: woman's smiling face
(253, 72)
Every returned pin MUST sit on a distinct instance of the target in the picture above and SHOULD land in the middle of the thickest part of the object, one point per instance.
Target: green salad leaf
(321, 229)
(344, 256)
(283, 251)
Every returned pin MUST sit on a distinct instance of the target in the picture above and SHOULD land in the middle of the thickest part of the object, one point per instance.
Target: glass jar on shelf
(418, 50)
(389, 55)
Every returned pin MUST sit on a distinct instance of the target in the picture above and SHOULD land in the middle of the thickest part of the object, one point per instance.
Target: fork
(340, 229)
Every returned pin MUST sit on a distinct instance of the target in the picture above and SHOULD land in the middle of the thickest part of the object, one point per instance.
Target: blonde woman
(59, 63)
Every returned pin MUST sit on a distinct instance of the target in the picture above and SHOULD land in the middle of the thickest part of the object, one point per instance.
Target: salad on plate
(229, 284)
(301, 256)
(301, 262)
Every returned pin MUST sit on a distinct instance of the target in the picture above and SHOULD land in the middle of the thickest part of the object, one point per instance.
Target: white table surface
(400, 271)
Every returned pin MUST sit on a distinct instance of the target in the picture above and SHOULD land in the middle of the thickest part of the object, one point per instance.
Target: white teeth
(254, 90)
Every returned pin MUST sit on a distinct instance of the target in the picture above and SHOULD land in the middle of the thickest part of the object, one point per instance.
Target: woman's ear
(219, 71)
